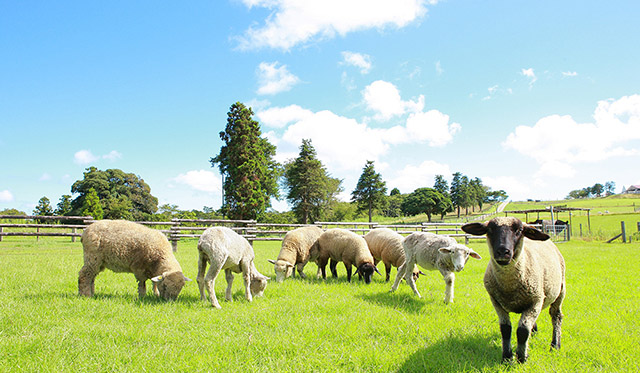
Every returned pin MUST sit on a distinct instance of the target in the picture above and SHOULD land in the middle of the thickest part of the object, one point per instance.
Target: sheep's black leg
(387, 269)
(348, 267)
(332, 266)
(505, 331)
(523, 338)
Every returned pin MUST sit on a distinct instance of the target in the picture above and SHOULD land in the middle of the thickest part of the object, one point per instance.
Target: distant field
(304, 326)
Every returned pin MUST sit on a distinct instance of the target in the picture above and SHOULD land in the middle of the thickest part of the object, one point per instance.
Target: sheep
(341, 245)
(124, 246)
(434, 252)
(223, 248)
(295, 252)
(525, 275)
(386, 245)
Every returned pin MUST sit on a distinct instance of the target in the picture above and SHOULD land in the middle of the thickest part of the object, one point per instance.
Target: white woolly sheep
(433, 252)
(386, 245)
(341, 245)
(124, 246)
(294, 253)
(223, 248)
(525, 275)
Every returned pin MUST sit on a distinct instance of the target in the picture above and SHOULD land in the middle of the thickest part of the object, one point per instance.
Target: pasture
(304, 325)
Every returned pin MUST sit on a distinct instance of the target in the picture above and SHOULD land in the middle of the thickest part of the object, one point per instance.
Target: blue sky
(536, 98)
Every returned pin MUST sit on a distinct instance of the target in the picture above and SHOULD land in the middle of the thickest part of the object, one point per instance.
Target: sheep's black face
(366, 271)
(503, 236)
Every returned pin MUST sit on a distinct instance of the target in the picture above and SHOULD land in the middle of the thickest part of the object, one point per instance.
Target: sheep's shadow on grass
(407, 302)
(455, 354)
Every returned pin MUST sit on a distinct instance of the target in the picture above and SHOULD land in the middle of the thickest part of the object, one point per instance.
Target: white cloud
(279, 117)
(439, 69)
(384, 98)
(569, 73)
(412, 177)
(293, 22)
(6, 196)
(202, 180)
(513, 186)
(346, 144)
(557, 142)
(274, 79)
(83, 157)
(362, 61)
(529, 74)
(112, 155)
(45, 177)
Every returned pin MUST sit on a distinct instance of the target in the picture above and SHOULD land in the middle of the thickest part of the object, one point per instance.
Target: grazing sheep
(223, 248)
(124, 246)
(295, 252)
(526, 274)
(341, 245)
(434, 252)
(386, 245)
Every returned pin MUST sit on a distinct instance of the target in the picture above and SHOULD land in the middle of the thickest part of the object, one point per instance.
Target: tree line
(597, 190)
(252, 177)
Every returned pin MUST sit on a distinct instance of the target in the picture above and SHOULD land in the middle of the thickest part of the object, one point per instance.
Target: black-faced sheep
(223, 248)
(526, 274)
(294, 253)
(433, 252)
(386, 245)
(341, 245)
(124, 246)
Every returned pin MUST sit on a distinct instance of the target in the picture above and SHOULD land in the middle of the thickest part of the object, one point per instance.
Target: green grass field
(304, 325)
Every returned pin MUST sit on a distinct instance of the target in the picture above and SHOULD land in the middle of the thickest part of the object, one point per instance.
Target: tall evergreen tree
(311, 191)
(91, 205)
(441, 185)
(370, 191)
(247, 166)
(64, 205)
(478, 192)
(457, 192)
(43, 208)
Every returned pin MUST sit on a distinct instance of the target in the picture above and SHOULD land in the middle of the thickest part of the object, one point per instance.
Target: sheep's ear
(476, 229)
(474, 254)
(534, 234)
(289, 265)
(271, 261)
(186, 278)
(157, 279)
(445, 250)
(376, 269)
(422, 273)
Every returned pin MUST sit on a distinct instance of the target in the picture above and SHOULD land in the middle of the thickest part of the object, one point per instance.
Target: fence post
(38, 236)
(624, 232)
(1, 231)
(73, 238)
(580, 230)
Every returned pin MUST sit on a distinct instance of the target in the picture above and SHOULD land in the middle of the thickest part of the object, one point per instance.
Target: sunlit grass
(303, 325)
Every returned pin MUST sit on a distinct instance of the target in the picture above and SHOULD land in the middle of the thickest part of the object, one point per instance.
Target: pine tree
(43, 208)
(91, 205)
(247, 166)
(370, 191)
(64, 205)
(311, 190)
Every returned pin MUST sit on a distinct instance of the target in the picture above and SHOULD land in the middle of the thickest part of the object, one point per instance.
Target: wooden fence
(178, 229)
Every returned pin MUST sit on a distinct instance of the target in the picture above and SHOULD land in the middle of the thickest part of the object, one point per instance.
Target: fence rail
(179, 229)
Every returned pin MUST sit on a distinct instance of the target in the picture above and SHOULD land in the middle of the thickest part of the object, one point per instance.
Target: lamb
(223, 248)
(386, 245)
(124, 246)
(434, 252)
(341, 245)
(295, 252)
(525, 275)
